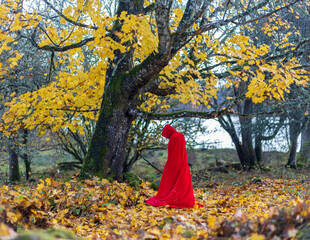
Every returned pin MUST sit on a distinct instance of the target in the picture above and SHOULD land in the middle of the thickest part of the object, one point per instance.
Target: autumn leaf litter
(99, 209)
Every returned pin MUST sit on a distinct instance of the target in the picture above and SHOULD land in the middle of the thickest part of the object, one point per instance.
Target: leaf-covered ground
(99, 209)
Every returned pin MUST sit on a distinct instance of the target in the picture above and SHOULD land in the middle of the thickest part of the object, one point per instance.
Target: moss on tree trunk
(106, 153)
(13, 163)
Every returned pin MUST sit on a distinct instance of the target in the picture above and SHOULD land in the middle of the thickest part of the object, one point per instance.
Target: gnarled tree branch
(162, 14)
(68, 19)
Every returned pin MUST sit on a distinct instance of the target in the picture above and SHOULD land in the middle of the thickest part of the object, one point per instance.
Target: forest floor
(268, 203)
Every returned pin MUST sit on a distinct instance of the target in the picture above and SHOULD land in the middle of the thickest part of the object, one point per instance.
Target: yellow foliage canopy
(76, 92)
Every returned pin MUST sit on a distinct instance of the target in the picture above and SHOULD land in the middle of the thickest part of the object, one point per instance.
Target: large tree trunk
(124, 83)
(106, 153)
(13, 162)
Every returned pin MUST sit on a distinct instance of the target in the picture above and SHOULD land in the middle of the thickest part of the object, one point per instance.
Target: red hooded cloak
(175, 188)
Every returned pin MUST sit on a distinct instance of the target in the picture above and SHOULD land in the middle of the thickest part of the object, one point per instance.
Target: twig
(151, 164)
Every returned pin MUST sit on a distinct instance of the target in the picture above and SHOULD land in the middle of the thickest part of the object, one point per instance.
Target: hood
(168, 131)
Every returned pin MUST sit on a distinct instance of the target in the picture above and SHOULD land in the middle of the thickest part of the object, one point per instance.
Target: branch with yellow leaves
(56, 48)
(181, 114)
(68, 19)
(270, 56)
(188, 36)
(267, 14)
(221, 111)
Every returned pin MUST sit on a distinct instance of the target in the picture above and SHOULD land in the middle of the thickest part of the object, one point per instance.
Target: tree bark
(291, 162)
(246, 134)
(132, 161)
(297, 122)
(27, 165)
(305, 144)
(244, 147)
(294, 130)
(230, 129)
(138, 142)
(260, 129)
(25, 156)
(247, 144)
(106, 153)
(13, 162)
(258, 150)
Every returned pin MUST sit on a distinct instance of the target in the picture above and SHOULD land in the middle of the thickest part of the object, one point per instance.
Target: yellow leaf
(256, 236)
(211, 221)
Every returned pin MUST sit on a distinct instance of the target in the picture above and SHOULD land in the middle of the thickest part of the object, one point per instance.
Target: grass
(44, 165)
(274, 163)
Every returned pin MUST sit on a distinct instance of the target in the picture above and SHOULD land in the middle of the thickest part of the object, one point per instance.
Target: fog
(217, 137)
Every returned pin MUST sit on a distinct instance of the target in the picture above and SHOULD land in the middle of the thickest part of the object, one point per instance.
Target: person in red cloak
(175, 188)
